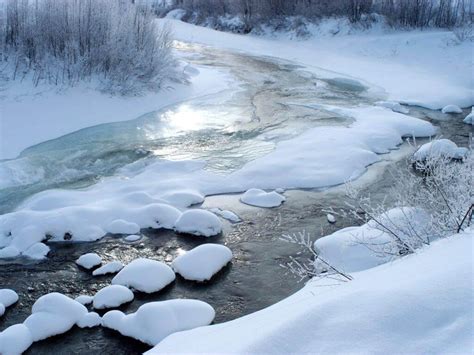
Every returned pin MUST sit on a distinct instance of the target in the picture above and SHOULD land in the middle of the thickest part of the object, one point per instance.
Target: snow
(423, 301)
(119, 226)
(155, 320)
(470, 118)
(145, 275)
(132, 238)
(199, 222)
(183, 198)
(331, 218)
(112, 296)
(37, 251)
(15, 340)
(8, 297)
(260, 198)
(440, 148)
(109, 268)
(89, 320)
(202, 262)
(53, 314)
(89, 260)
(228, 215)
(84, 299)
(451, 109)
(394, 106)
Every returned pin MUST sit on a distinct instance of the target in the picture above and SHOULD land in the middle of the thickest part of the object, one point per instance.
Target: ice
(202, 262)
(89, 260)
(145, 275)
(112, 296)
(109, 268)
(199, 222)
(260, 198)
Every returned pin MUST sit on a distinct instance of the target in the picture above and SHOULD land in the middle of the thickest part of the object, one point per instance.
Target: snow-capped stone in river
(260, 198)
(53, 314)
(7, 298)
(112, 296)
(199, 222)
(145, 275)
(37, 251)
(393, 105)
(331, 218)
(109, 268)
(89, 320)
(451, 109)
(202, 262)
(228, 215)
(15, 339)
(439, 148)
(89, 260)
(183, 198)
(470, 118)
(132, 238)
(84, 299)
(154, 321)
(120, 226)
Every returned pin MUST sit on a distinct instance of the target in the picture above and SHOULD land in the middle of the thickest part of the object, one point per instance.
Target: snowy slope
(422, 303)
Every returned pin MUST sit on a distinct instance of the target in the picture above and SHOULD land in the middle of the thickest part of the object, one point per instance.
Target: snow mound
(439, 148)
(112, 296)
(260, 198)
(8, 297)
(394, 106)
(89, 320)
(145, 275)
(198, 222)
(109, 268)
(470, 118)
(202, 262)
(15, 340)
(119, 226)
(132, 238)
(37, 251)
(53, 314)
(84, 299)
(154, 321)
(228, 215)
(331, 218)
(451, 109)
(183, 198)
(89, 260)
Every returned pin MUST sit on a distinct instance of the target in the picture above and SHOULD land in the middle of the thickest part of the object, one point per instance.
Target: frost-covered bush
(64, 41)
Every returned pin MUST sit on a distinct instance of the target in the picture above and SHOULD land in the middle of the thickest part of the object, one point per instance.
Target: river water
(227, 129)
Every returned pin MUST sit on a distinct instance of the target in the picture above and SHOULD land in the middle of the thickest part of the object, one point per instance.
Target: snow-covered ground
(421, 303)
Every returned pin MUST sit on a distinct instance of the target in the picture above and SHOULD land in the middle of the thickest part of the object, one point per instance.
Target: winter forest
(236, 176)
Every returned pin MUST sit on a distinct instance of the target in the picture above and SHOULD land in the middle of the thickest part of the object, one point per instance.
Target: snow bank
(470, 118)
(109, 268)
(7, 298)
(414, 301)
(112, 296)
(53, 314)
(145, 275)
(451, 109)
(89, 260)
(260, 198)
(202, 262)
(199, 222)
(439, 148)
(15, 340)
(153, 321)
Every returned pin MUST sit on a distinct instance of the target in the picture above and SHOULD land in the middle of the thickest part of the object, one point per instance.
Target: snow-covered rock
(7, 298)
(145, 275)
(132, 238)
(15, 340)
(439, 148)
(154, 321)
(469, 119)
(89, 320)
(119, 226)
(183, 198)
(37, 251)
(89, 260)
(84, 299)
(109, 268)
(394, 106)
(198, 222)
(202, 262)
(260, 198)
(112, 296)
(331, 218)
(53, 314)
(229, 215)
(451, 109)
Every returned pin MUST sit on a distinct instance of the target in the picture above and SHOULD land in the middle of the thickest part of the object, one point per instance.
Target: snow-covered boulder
(112, 296)
(84, 299)
(37, 251)
(7, 298)
(183, 198)
(260, 198)
(120, 226)
(331, 218)
(109, 268)
(202, 262)
(89, 260)
(470, 118)
(145, 275)
(228, 215)
(439, 148)
(15, 340)
(154, 321)
(53, 314)
(199, 222)
(393, 105)
(132, 238)
(451, 109)
(89, 320)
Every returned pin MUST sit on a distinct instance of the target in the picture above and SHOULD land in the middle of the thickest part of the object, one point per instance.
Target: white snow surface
(155, 320)
(112, 296)
(84, 299)
(428, 312)
(109, 268)
(394, 106)
(89, 260)
(132, 238)
(119, 226)
(451, 109)
(469, 119)
(8, 297)
(89, 320)
(226, 214)
(260, 198)
(145, 275)
(202, 262)
(199, 222)
(15, 340)
(440, 148)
